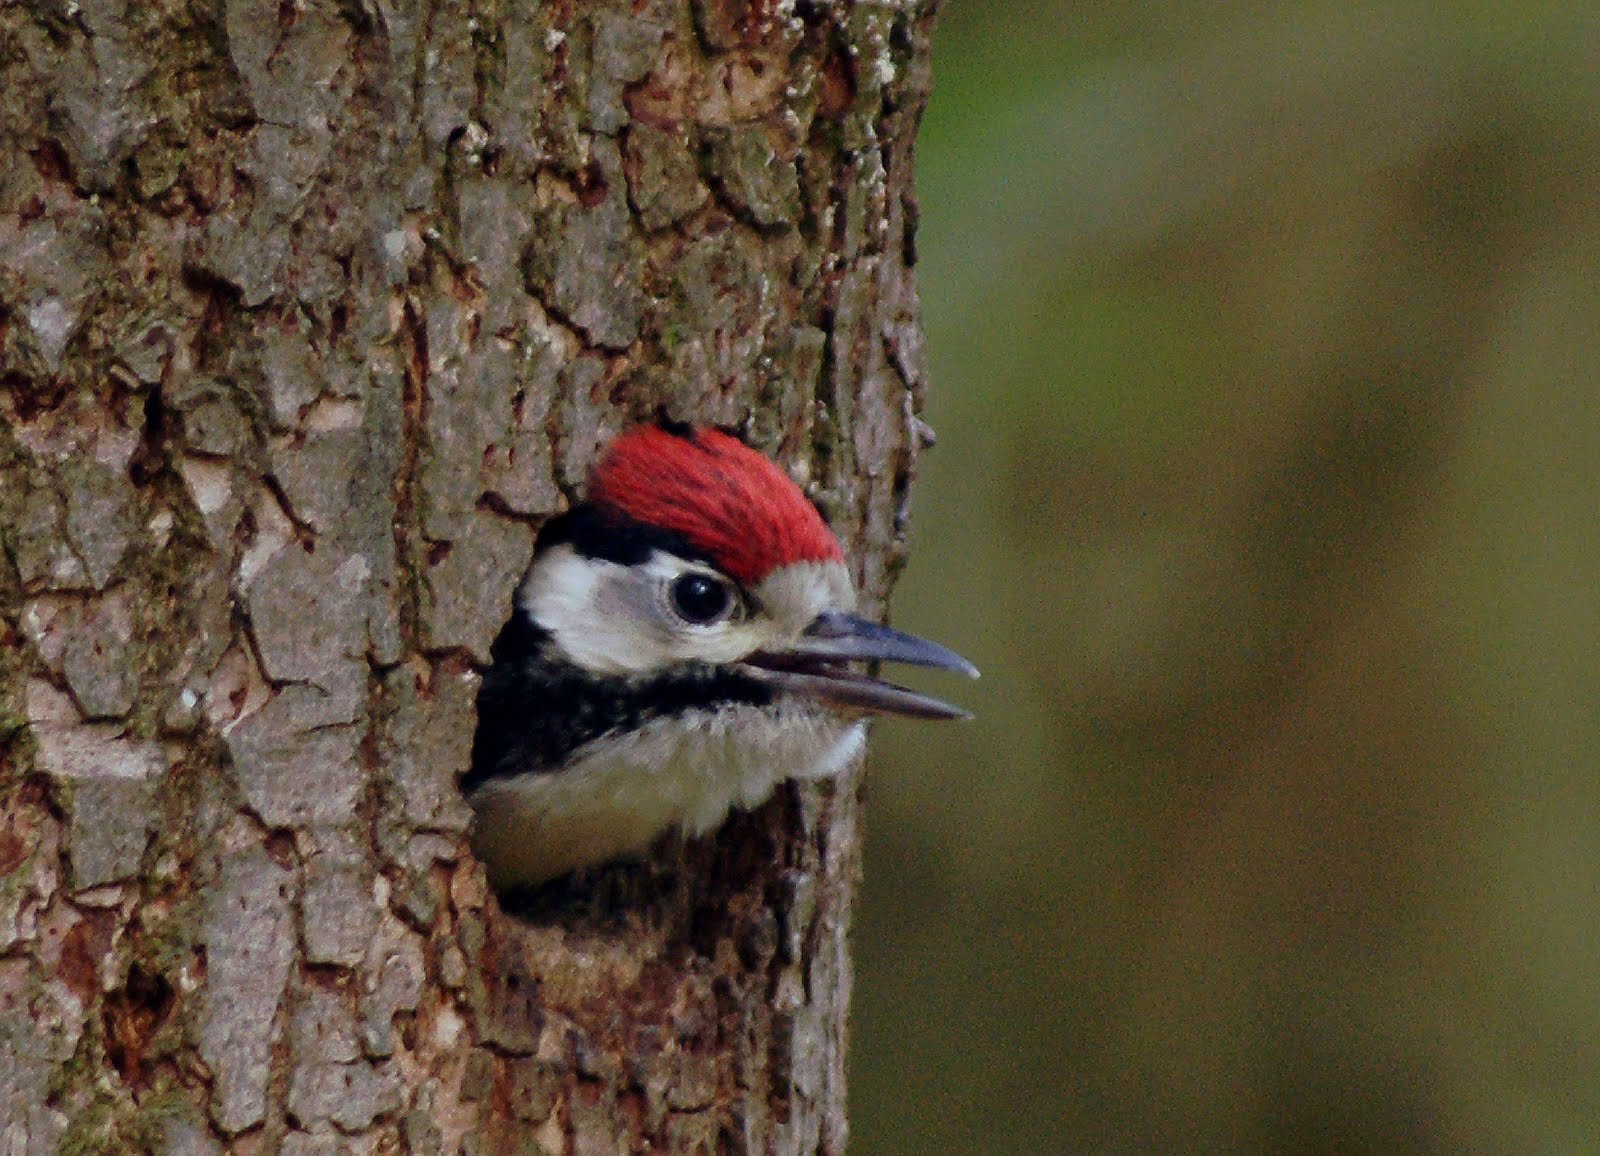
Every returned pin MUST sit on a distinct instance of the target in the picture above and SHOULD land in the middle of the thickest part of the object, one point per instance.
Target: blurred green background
(1264, 341)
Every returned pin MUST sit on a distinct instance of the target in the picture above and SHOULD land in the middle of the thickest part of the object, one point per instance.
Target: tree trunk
(309, 313)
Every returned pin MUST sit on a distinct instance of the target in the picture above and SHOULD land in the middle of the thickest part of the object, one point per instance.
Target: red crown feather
(731, 503)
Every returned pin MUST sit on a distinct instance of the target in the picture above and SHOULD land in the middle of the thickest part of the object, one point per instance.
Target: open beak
(815, 666)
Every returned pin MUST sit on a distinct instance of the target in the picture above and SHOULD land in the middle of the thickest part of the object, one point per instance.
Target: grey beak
(814, 667)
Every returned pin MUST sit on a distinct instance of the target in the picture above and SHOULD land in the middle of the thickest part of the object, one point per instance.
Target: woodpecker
(679, 647)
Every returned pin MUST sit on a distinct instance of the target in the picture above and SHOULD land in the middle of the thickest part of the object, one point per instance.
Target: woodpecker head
(680, 645)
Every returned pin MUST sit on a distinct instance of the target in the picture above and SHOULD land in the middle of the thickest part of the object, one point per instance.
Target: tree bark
(309, 314)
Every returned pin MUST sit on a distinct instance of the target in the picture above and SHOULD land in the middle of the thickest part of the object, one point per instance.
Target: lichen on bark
(309, 314)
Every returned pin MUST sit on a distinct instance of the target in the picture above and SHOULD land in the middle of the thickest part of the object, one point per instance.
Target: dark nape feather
(613, 537)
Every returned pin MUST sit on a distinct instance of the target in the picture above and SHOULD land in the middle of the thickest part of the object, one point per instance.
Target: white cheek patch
(614, 619)
(562, 594)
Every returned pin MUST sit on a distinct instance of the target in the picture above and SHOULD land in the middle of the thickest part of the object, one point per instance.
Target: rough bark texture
(309, 312)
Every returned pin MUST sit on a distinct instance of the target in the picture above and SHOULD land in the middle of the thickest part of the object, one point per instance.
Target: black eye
(700, 598)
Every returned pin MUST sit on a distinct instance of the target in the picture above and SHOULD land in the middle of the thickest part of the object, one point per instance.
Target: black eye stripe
(700, 598)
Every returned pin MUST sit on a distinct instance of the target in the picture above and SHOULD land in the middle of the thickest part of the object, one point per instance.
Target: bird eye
(700, 598)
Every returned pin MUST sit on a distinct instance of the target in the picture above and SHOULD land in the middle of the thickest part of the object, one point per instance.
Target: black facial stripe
(612, 537)
(535, 709)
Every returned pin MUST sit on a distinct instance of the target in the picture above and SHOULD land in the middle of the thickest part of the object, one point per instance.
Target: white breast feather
(623, 791)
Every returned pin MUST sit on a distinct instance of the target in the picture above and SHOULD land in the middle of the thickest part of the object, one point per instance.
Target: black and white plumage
(678, 648)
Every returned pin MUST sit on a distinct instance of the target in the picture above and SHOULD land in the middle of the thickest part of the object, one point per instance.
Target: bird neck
(537, 709)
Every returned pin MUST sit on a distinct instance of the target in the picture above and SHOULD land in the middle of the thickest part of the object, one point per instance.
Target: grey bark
(309, 313)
